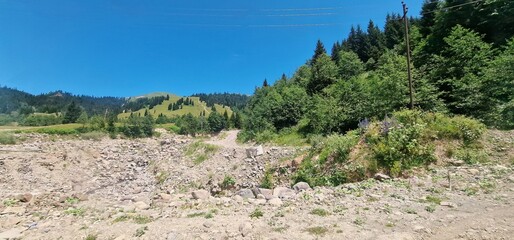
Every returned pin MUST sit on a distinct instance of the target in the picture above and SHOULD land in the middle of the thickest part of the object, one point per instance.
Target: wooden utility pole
(407, 46)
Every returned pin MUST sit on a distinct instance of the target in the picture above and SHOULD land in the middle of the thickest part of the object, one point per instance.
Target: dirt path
(227, 139)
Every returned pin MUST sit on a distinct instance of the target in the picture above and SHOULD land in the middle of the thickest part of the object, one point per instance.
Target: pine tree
(265, 83)
(320, 50)
(335, 50)
(428, 12)
(72, 113)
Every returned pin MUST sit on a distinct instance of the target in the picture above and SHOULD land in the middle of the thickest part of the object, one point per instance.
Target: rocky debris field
(172, 187)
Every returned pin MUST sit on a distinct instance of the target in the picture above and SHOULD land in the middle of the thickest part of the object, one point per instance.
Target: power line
(456, 6)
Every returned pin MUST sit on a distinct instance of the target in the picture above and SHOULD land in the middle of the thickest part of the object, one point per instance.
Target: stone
(447, 204)
(141, 205)
(381, 177)
(245, 229)
(201, 194)
(238, 199)
(24, 197)
(283, 193)
(14, 233)
(165, 197)
(301, 186)
(207, 224)
(246, 193)
(259, 202)
(275, 202)
(254, 151)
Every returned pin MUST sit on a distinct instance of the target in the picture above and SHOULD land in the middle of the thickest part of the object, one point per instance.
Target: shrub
(7, 138)
(268, 181)
(41, 120)
(228, 182)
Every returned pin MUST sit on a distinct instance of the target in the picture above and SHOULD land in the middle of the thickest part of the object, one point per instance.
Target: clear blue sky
(132, 47)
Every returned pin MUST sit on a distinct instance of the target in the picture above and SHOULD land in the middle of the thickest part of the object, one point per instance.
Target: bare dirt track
(68, 188)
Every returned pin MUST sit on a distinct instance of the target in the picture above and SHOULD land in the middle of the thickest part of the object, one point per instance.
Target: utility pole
(407, 46)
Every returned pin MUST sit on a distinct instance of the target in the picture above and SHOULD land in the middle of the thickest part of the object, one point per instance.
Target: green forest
(462, 64)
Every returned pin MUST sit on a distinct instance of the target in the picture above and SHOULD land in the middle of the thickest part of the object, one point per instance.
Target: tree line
(461, 67)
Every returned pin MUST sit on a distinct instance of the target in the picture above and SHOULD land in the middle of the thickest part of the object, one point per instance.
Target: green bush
(41, 120)
(7, 138)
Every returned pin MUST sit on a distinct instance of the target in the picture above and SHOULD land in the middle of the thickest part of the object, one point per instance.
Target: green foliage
(318, 231)
(200, 151)
(136, 127)
(41, 120)
(216, 122)
(268, 181)
(7, 138)
(257, 213)
(72, 113)
(228, 182)
(324, 73)
(320, 212)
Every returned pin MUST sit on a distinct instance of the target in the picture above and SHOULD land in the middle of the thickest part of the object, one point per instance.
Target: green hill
(196, 108)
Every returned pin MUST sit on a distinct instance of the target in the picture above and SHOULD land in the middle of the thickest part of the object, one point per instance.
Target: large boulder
(301, 186)
(283, 192)
(246, 193)
(201, 194)
(254, 151)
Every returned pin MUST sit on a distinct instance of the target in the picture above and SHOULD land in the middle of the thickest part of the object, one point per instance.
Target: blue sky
(132, 47)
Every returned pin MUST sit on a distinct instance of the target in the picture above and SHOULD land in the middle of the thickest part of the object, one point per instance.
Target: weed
(161, 177)
(72, 200)
(75, 211)
(121, 218)
(318, 231)
(279, 229)
(430, 208)
(257, 213)
(200, 151)
(197, 214)
(390, 224)
(9, 202)
(359, 221)
(141, 231)
(90, 237)
(470, 191)
(140, 219)
(320, 212)
(487, 186)
(268, 181)
(433, 199)
(228, 182)
(411, 211)
(7, 138)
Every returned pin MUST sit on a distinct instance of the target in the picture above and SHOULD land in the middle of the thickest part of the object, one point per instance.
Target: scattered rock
(201, 194)
(283, 192)
(301, 186)
(245, 193)
(245, 229)
(254, 151)
(141, 205)
(24, 197)
(381, 177)
(448, 204)
(275, 202)
(207, 224)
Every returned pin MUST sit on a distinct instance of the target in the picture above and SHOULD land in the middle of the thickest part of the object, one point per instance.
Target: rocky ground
(68, 188)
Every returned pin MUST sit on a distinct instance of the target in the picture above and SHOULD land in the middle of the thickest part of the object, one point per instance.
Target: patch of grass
(200, 151)
(72, 200)
(268, 181)
(140, 219)
(320, 212)
(430, 208)
(433, 199)
(257, 213)
(7, 138)
(359, 221)
(228, 182)
(91, 237)
(196, 214)
(75, 211)
(472, 155)
(161, 177)
(390, 224)
(9, 202)
(318, 231)
(140, 231)
(411, 211)
(122, 218)
(487, 186)
(279, 229)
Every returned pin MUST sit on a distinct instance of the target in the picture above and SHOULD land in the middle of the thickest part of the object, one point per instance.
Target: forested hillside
(463, 63)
